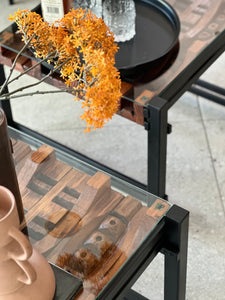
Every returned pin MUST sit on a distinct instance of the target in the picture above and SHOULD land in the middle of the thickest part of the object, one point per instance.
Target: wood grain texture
(78, 221)
(41, 154)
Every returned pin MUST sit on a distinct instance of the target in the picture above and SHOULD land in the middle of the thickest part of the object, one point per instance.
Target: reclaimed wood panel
(78, 221)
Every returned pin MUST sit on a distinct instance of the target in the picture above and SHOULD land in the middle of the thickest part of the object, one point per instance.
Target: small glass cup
(94, 5)
(119, 16)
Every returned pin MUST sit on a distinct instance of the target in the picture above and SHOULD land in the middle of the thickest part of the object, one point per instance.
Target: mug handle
(24, 243)
(29, 275)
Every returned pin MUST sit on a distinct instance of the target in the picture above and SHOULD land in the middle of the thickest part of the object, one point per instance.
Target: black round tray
(157, 32)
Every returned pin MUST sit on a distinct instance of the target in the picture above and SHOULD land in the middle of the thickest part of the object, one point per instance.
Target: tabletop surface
(81, 222)
(202, 30)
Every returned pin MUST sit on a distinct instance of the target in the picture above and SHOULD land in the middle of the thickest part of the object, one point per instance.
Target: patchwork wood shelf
(78, 221)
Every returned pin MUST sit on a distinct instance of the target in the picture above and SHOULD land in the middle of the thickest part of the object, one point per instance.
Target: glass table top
(201, 33)
(79, 218)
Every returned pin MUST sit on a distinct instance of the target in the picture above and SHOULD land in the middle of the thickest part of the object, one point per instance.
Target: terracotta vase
(24, 273)
(8, 176)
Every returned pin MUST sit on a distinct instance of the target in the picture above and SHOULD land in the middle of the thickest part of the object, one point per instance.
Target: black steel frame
(156, 112)
(169, 237)
(209, 91)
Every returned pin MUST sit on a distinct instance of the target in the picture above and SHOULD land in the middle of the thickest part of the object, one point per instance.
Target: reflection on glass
(120, 15)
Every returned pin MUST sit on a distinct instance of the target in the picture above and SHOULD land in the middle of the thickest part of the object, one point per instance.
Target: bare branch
(93, 81)
(14, 63)
(36, 83)
(2, 98)
(34, 66)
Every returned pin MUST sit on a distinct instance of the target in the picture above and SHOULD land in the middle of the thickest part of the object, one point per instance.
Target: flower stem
(14, 64)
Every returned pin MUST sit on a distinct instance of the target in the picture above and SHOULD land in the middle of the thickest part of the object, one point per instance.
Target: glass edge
(117, 183)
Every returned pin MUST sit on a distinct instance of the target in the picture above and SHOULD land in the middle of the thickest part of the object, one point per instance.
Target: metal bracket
(147, 118)
(171, 252)
(169, 128)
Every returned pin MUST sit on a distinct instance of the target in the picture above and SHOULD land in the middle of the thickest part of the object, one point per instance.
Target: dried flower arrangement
(81, 47)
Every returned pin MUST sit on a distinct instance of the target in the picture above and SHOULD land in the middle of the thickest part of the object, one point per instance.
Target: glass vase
(119, 16)
(94, 5)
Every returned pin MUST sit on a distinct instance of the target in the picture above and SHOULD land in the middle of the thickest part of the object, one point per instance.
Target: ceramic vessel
(8, 176)
(24, 273)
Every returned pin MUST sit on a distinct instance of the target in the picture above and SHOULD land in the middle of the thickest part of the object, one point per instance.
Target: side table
(98, 227)
(147, 98)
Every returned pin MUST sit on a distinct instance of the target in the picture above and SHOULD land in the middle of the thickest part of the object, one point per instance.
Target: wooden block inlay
(52, 212)
(20, 151)
(128, 207)
(127, 90)
(36, 228)
(99, 181)
(39, 186)
(7, 58)
(5, 38)
(56, 216)
(22, 62)
(112, 227)
(41, 154)
(55, 169)
(197, 46)
(43, 205)
(145, 97)
(97, 186)
(66, 223)
(36, 72)
(30, 198)
(98, 243)
(158, 209)
(83, 261)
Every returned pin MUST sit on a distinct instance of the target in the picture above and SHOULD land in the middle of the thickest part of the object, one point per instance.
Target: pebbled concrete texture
(195, 167)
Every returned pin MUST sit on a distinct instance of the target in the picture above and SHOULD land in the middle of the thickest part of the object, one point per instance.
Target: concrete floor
(195, 167)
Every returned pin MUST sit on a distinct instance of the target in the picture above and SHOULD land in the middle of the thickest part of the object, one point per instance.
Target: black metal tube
(208, 95)
(210, 86)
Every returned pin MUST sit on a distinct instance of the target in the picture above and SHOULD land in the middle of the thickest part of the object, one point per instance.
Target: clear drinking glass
(120, 16)
(94, 5)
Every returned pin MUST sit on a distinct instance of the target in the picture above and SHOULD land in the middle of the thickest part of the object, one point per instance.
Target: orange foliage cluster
(82, 47)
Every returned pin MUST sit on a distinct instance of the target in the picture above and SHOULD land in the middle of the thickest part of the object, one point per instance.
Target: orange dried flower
(82, 47)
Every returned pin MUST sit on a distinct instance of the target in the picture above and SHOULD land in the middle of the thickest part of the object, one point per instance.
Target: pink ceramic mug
(15, 248)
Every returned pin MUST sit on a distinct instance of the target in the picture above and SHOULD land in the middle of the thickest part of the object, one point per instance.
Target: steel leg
(5, 104)
(156, 125)
(175, 251)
